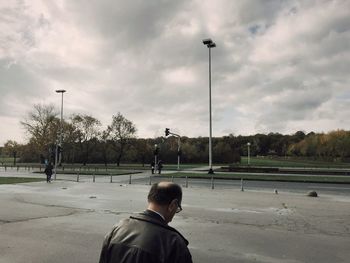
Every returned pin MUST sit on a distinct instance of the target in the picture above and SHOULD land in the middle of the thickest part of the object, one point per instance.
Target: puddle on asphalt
(235, 210)
(269, 210)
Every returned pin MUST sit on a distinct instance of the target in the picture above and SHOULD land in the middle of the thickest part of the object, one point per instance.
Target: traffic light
(167, 131)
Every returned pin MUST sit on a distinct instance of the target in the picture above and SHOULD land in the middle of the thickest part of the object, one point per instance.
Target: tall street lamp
(156, 151)
(61, 134)
(210, 44)
(248, 144)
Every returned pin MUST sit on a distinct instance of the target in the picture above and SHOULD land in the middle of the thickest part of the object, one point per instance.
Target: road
(66, 221)
(144, 178)
(338, 189)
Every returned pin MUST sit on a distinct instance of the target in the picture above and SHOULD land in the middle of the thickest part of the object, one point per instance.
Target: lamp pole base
(211, 171)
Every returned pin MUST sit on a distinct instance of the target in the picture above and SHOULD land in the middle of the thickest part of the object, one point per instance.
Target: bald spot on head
(164, 192)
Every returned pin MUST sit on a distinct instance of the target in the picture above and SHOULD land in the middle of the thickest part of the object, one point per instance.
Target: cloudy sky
(279, 65)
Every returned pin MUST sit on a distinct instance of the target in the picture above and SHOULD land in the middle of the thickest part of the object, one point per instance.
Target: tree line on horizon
(85, 142)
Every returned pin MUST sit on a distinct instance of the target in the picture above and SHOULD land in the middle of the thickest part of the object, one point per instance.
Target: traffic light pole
(178, 152)
(167, 133)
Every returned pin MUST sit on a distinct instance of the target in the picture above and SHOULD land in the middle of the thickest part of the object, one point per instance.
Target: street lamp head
(209, 43)
(60, 91)
(248, 143)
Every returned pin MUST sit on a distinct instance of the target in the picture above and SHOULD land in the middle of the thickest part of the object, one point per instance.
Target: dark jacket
(48, 169)
(145, 238)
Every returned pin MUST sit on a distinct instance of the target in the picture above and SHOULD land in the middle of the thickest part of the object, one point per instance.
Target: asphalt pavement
(65, 221)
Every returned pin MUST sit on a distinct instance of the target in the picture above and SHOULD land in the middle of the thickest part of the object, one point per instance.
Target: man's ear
(173, 205)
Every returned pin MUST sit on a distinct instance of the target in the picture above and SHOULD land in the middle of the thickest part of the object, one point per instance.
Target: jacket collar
(153, 218)
(154, 214)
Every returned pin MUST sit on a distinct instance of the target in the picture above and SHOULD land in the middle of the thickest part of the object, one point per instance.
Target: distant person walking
(48, 172)
(160, 166)
(152, 167)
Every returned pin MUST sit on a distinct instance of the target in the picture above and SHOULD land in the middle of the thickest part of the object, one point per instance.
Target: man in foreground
(146, 237)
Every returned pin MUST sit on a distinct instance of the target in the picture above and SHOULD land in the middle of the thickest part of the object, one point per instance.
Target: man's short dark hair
(164, 193)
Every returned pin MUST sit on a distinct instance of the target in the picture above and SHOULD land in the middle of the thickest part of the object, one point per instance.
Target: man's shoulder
(166, 229)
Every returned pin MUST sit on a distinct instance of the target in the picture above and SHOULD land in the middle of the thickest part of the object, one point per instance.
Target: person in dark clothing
(48, 172)
(152, 167)
(146, 237)
(160, 166)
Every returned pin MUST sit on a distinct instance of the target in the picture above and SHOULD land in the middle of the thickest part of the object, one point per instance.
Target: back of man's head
(164, 192)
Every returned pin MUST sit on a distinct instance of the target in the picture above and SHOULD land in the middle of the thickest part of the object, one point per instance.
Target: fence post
(150, 179)
(78, 177)
(172, 178)
(186, 181)
(5, 168)
(111, 178)
(17, 168)
(212, 182)
(242, 189)
(130, 179)
(93, 177)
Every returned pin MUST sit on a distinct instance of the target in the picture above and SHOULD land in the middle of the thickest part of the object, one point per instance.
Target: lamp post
(210, 44)
(156, 149)
(248, 144)
(61, 134)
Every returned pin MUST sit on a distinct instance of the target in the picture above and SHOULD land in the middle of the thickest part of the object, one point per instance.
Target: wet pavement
(65, 221)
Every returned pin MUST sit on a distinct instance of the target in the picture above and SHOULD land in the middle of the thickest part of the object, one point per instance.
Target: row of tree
(85, 142)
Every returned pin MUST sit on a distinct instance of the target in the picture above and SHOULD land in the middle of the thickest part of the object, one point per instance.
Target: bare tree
(87, 131)
(11, 148)
(104, 137)
(120, 132)
(42, 125)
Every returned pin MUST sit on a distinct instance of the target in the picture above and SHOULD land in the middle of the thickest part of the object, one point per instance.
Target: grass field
(102, 167)
(97, 173)
(254, 161)
(18, 180)
(291, 162)
(282, 178)
(7, 160)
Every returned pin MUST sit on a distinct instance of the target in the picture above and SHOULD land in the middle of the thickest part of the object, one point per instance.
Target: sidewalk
(66, 221)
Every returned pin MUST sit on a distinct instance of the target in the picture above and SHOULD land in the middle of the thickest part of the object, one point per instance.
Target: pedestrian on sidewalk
(160, 166)
(152, 167)
(48, 172)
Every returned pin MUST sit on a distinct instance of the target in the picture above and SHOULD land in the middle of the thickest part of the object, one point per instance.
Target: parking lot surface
(66, 221)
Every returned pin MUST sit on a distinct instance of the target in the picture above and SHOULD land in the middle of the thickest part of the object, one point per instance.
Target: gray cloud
(279, 66)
